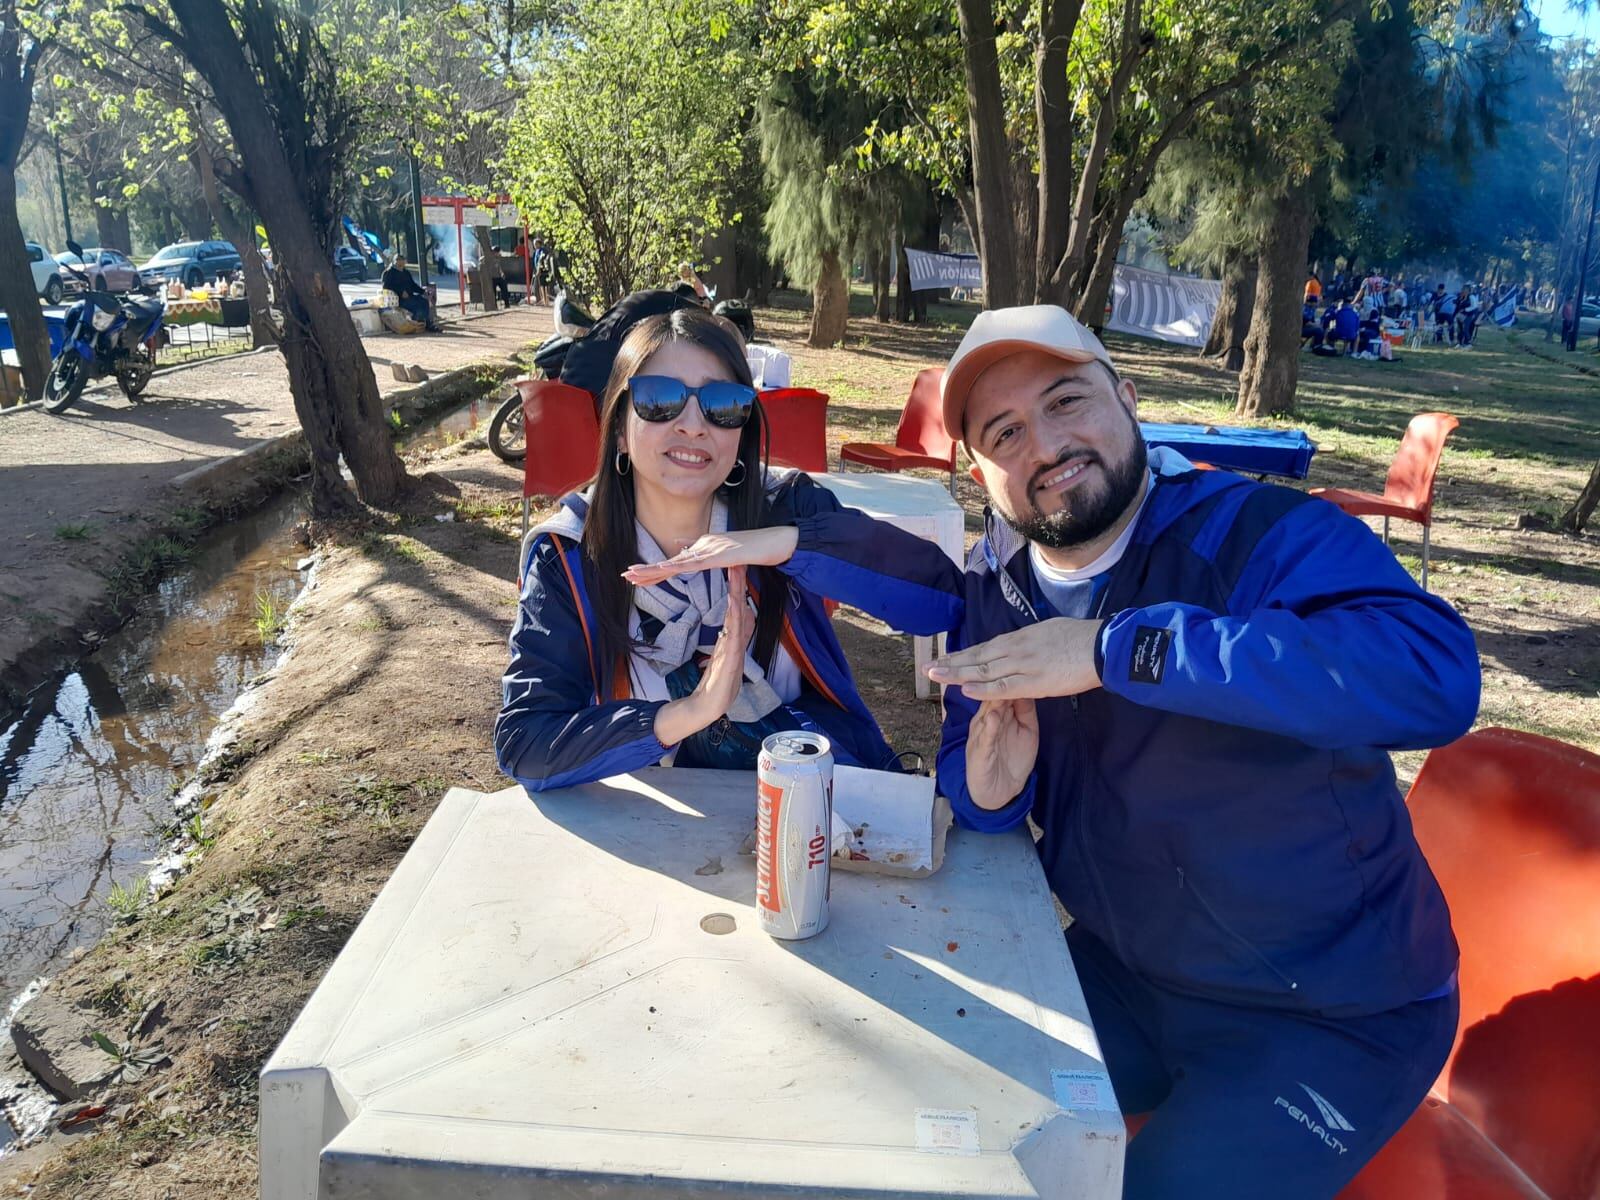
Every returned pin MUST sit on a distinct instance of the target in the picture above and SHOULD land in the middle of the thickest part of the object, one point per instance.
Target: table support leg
(924, 650)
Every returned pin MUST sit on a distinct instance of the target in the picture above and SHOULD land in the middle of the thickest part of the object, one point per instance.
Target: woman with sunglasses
(606, 676)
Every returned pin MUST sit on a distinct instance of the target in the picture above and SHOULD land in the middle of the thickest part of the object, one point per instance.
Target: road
(449, 303)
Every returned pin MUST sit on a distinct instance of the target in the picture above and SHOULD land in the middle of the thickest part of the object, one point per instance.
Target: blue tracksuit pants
(1254, 1102)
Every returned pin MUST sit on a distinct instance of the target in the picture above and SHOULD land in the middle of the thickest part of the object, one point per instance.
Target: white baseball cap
(1002, 332)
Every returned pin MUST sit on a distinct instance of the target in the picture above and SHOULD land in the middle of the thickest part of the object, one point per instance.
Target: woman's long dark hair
(610, 539)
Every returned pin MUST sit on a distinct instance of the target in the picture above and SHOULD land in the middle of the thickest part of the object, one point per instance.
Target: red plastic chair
(1510, 823)
(562, 434)
(797, 423)
(1408, 492)
(920, 441)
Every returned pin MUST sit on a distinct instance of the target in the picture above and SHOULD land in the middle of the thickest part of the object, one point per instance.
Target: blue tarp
(55, 320)
(1285, 452)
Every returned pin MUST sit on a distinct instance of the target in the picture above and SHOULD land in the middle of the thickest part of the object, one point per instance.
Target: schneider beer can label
(794, 814)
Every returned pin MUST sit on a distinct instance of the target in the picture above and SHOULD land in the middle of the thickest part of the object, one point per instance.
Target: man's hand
(1052, 658)
(745, 548)
(1002, 745)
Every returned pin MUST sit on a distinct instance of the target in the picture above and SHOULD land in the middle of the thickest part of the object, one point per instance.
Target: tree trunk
(1272, 347)
(335, 393)
(264, 329)
(991, 155)
(830, 303)
(1232, 322)
(195, 218)
(111, 228)
(1096, 294)
(1053, 117)
(17, 295)
(1576, 518)
(880, 286)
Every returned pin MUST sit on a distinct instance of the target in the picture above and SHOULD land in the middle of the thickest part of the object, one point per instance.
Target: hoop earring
(730, 481)
(622, 463)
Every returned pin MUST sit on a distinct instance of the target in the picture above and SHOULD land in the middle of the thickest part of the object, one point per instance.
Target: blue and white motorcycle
(105, 335)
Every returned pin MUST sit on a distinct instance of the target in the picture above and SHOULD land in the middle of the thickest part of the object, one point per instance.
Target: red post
(461, 267)
(527, 267)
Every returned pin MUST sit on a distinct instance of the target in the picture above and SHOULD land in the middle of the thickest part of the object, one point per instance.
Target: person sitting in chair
(408, 293)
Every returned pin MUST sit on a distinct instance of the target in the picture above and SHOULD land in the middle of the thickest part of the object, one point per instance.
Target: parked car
(349, 265)
(191, 263)
(48, 278)
(108, 270)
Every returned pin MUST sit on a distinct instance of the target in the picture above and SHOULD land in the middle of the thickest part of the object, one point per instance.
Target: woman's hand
(745, 548)
(724, 674)
(1002, 745)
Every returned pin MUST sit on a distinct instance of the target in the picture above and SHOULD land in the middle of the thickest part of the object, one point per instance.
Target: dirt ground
(389, 695)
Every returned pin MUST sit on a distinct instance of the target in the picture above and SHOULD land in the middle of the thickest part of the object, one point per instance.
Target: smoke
(445, 236)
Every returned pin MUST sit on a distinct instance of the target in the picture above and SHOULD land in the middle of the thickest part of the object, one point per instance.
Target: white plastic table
(918, 506)
(570, 996)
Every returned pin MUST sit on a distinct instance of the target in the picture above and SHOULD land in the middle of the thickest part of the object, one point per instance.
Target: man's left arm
(1327, 639)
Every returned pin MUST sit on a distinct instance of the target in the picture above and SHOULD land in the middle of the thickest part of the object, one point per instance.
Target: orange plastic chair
(797, 425)
(1408, 492)
(1510, 823)
(562, 434)
(920, 441)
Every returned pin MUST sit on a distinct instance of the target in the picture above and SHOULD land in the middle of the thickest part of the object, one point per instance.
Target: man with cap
(1190, 683)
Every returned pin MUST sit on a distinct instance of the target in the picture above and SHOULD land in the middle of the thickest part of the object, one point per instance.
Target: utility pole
(61, 180)
(1583, 264)
(418, 236)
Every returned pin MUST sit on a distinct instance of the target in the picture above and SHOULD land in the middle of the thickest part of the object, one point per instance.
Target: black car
(191, 263)
(348, 265)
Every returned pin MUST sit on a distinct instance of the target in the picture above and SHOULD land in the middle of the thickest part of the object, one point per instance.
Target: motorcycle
(105, 335)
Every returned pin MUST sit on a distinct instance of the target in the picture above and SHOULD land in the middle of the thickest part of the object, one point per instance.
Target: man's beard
(1084, 517)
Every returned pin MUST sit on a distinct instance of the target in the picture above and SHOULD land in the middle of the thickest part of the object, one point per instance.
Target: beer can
(794, 814)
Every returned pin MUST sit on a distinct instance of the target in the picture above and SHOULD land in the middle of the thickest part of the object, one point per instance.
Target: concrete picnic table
(569, 994)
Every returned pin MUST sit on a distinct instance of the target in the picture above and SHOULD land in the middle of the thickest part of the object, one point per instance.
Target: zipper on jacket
(1089, 866)
(1184, 884)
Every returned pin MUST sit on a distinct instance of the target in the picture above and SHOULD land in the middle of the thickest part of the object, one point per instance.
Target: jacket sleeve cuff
(996, 820)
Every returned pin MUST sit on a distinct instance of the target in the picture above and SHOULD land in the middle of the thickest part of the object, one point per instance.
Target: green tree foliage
(828, 202)
(629, 125)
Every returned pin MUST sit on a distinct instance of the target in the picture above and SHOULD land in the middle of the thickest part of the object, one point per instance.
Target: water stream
(89, 767)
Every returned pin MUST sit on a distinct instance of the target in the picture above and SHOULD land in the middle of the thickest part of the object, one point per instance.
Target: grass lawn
(1530, 432)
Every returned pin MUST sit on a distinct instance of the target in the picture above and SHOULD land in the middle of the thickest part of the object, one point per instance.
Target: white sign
(1083, 1089)
(943, 270)
(1173, 308)
(506, 214)
(477, 216)
(948, 1131)
(438, 214)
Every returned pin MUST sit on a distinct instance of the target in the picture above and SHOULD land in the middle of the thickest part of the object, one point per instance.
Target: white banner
(1172, 308)
(438, 214)
(930, 271)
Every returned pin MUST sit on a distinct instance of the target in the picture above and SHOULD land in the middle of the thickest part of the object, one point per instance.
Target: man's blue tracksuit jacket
(1222, 812)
